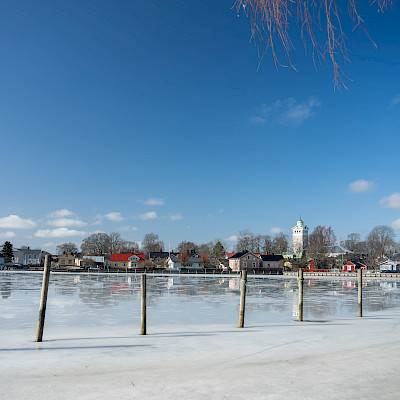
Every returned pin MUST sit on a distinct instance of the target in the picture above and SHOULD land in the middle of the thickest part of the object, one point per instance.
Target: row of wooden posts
(242, 306)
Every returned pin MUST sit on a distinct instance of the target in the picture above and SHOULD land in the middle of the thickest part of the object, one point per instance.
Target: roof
(356, 263)
(271, 257)
(229, 255)
(162, 254)
(120, 256)
(240, 254)
(141, 256)
(190, 259)
(28, 250)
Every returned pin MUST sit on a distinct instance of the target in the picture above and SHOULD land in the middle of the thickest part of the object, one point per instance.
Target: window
(124, 264)
(244, 264)
(248, 257)
(254, 264)
(115, 264)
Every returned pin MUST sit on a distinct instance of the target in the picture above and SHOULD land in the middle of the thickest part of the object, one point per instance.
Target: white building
(27, 256)
(389, 266)
(173, 262)
(299, 237)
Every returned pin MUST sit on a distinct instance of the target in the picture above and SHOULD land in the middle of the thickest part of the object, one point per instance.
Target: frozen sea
(92, 349)
(83, 299)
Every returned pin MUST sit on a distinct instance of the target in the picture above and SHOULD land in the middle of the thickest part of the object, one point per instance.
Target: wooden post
(359, 276)
(143, 308)
(43, 299)
(300, 283)
(243, 284)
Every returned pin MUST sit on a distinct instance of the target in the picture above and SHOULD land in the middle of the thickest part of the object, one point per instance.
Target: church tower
(299, 237)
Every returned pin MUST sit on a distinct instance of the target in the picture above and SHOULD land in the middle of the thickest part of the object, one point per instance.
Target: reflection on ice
(92, 300)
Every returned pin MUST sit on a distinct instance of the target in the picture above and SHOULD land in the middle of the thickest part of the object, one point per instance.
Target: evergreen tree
(8, 252)
(218, 251)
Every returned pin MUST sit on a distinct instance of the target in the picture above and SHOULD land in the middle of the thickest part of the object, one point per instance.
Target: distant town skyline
(159, 117)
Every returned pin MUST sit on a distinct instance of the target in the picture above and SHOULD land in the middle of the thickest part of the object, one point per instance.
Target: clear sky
(156, 116)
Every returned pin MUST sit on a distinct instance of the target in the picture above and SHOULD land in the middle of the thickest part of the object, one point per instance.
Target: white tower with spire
(299, 237)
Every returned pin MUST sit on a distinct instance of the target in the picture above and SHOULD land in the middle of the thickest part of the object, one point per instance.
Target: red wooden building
(353, 266)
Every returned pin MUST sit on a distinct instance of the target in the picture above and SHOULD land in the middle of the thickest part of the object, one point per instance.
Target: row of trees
(103, 243)
(277, 244)
(214, 249)
(378, 244)
(99, 244)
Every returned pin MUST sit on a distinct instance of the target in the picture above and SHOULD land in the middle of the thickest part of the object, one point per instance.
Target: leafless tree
(352, 243)
(280, 243)
(128, 246)
(117, 244)
(319, 23)
(320, 242)
(151, 242)
(97, 244)
(245, 241)
(262, 243)
(380, 241)
(267, 246)
(66, 248)
(190, 247)
(205, 248)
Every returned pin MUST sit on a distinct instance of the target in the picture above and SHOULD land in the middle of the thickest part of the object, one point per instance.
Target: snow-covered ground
(194, 350)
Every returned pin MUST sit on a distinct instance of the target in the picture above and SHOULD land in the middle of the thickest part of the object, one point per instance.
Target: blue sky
(157, 116)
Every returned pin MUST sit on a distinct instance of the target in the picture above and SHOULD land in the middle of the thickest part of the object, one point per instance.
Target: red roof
(141, 256)
(120, 257)
(229, 255)
(125, 256)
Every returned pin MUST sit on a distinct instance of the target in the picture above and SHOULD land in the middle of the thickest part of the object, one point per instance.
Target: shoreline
(232, 274)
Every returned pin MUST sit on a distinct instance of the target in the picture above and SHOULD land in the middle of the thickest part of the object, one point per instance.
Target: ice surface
(92, 349)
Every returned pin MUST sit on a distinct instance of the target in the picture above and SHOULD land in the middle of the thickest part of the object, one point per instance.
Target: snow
(93, 350)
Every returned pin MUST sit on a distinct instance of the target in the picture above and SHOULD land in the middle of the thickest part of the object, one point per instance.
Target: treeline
(98, 244)
(277, 244)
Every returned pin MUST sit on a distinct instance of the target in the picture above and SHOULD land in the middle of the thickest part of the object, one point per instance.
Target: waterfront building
(389, 266)
(126, 260)
(193, 262)
(244, 260)
(353, 266)
(299, 237)
(66, 261)
(27, 256)
(271, 261)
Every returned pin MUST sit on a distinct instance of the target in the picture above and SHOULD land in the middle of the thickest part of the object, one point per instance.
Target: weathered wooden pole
(243, 284)
(43, 299)
(300, 281)
(143, 305)
(359, 278)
